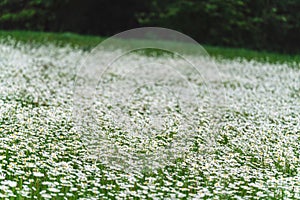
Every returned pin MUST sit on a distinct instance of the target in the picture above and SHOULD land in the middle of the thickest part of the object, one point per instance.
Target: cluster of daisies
(155, 128)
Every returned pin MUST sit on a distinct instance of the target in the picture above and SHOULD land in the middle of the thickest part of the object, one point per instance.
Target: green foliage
(272, 25)
(88, 17)
(28, 14)
(257, 24)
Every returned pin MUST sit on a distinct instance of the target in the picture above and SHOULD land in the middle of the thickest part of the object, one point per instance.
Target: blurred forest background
(272, 25)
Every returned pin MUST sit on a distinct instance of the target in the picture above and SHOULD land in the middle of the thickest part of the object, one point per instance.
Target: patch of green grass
(262, 56)
(88, 42)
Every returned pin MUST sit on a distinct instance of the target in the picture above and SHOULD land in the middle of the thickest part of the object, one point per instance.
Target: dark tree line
(103, 17)
(257, 24)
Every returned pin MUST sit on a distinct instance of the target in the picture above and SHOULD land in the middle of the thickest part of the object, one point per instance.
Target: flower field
(251, 151)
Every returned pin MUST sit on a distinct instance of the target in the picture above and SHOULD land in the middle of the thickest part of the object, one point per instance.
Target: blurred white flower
(55, 190)
(9, 183)
(38, 174)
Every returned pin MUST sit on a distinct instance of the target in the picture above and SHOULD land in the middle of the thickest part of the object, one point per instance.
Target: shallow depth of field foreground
(254, 152)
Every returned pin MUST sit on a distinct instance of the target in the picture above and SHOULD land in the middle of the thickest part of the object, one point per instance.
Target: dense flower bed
(253, 151)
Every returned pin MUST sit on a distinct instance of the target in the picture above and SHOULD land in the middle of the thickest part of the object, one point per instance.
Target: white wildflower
(38, 174)
(55, 190)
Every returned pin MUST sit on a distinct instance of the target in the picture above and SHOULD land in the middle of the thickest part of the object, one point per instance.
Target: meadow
(250, 152)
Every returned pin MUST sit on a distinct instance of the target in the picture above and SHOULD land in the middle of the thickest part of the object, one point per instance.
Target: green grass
(263, 56)
(88, 42)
